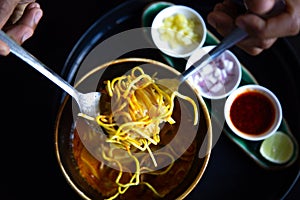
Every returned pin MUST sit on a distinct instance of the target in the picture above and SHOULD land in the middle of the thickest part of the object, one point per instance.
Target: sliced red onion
(214, 76)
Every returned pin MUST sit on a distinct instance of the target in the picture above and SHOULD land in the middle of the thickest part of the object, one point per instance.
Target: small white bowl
(219, 78)
(173, 42)
(253, 112)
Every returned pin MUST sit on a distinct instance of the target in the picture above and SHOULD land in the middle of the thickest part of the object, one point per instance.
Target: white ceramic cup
(253, 112)
(182, 51)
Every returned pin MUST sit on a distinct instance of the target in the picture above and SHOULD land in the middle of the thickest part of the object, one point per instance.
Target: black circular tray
(230, 173)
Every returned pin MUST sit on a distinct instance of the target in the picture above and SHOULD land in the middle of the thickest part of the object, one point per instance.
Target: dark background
(29, 103)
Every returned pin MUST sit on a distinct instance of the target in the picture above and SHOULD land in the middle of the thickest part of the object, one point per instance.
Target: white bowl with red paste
(253, 112)
(217, 79)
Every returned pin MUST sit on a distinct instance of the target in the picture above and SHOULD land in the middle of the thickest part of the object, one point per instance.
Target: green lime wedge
(277, 148)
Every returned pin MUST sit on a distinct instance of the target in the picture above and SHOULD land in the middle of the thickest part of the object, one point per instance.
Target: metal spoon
(174, 83)
(88, 103)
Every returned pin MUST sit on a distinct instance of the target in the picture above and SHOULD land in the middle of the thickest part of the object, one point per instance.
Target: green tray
(251, 148)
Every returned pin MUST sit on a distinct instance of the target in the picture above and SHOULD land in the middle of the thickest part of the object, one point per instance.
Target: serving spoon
(88, 103)
(173, 84)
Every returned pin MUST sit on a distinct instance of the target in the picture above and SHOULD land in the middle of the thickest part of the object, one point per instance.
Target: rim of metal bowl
(58, 122)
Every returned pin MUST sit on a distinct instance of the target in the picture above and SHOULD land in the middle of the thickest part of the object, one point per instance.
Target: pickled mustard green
(178, 30)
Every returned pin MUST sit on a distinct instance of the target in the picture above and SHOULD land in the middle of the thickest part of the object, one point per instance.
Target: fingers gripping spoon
(233, 38)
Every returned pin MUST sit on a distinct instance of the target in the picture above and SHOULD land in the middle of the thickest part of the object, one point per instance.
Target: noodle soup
(178, 164)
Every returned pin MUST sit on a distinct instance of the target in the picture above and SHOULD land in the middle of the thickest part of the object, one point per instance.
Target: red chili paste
(252, 112)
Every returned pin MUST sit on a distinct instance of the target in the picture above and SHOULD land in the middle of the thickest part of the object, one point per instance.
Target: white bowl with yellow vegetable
(178, 31)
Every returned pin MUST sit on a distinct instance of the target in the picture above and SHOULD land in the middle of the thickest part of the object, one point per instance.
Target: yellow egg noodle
(138, 107)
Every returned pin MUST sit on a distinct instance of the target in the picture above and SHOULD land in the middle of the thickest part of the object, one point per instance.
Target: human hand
(263, 32)
(19, 19)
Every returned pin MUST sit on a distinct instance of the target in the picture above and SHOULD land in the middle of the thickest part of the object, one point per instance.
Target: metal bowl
(197, 140)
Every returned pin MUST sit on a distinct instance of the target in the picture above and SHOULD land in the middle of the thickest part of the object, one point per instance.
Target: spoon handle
(38, 65)
(234, 37)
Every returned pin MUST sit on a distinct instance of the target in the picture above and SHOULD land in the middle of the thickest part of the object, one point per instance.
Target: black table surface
(28, 161)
